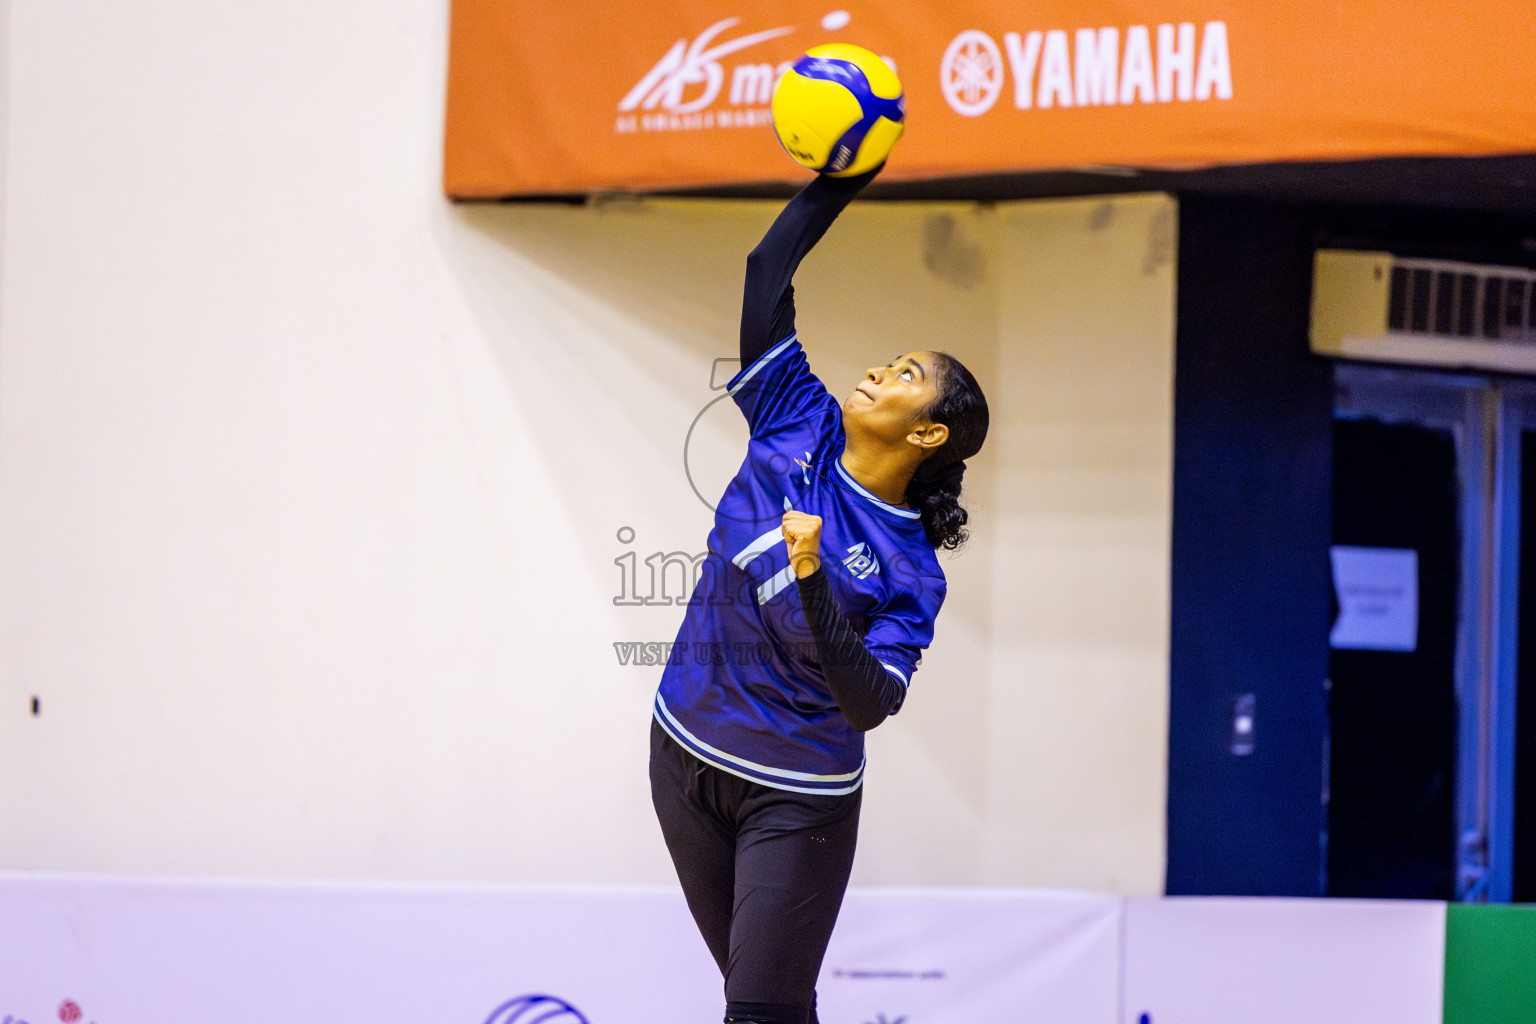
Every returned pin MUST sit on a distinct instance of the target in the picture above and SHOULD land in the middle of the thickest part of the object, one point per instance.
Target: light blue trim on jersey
(760, 362)
(735, 765)
(782, 773)
(772, 587)
(892, 670)
(758, 546)
(769, 588)
(905, 513)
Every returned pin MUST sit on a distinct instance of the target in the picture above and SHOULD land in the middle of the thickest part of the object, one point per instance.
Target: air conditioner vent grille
(1462, 300)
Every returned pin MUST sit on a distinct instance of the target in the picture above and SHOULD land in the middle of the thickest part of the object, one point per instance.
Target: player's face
(891, 401)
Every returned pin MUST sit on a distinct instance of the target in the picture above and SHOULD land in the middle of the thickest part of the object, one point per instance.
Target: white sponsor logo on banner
(971, 73)
(685, 89)
(675, 94)
(1088, 69)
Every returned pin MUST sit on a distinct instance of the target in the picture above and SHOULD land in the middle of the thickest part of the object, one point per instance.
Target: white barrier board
(87, 950)
(1282, 961)
(182, 952)
(980, 956)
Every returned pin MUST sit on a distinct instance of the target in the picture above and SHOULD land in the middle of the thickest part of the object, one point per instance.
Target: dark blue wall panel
(1251, 587)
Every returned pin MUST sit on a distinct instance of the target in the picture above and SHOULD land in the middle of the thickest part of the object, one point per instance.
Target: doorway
(1430, 786)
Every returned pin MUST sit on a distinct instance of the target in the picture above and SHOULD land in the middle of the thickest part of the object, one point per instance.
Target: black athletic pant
(763, 870)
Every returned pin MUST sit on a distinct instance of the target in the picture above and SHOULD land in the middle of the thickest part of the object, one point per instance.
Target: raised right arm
(768, 305)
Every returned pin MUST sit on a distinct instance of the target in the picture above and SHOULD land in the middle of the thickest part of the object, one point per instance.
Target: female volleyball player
(816, 602)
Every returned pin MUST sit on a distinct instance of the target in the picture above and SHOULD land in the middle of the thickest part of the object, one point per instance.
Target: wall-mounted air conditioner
(1380, 307)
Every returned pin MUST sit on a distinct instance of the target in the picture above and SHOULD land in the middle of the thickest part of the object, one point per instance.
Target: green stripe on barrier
(1490, 964)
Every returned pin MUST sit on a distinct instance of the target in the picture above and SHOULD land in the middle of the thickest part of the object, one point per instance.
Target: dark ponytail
(935, 487)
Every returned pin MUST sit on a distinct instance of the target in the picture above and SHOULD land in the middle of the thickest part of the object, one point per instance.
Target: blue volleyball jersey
(743, 689)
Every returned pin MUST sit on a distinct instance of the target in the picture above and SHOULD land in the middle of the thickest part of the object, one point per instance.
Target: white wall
(311, 484)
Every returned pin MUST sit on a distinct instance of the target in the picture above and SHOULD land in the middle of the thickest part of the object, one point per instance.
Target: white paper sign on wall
(1378, 592)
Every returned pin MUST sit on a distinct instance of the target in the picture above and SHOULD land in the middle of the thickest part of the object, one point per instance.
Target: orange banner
(582, 95)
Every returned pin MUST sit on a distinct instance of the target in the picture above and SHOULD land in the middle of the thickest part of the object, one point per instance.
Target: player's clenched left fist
(802, 534)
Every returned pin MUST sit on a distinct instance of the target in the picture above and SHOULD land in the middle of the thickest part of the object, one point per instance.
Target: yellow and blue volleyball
(839, 109)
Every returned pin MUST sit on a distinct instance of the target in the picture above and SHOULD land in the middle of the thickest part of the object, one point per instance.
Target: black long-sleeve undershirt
(865, 691)
(768, 303)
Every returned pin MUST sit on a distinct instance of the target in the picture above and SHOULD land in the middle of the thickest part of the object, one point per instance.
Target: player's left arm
(867, 688)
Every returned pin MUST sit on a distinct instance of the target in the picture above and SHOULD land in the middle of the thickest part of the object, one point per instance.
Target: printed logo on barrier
(69, 1013)
(536, 1009)
(1088, 69)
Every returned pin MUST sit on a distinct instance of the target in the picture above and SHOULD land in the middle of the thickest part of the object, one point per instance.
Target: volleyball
(839, 109)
